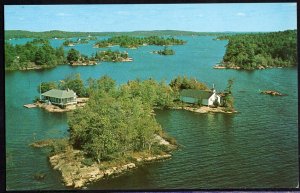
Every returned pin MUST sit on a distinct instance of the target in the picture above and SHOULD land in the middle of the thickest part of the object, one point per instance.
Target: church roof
(194, 93)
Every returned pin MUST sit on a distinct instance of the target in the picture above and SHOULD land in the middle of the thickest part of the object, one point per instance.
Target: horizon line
(143, 31)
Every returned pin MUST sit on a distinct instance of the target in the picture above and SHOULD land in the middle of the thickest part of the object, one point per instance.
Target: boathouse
(59, 97)
(203, 97)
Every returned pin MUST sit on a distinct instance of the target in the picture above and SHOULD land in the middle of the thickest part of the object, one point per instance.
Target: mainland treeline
(262, 50)
(9, 34)
(134, 42)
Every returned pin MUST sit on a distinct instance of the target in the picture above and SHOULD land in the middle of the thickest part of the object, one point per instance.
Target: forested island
(166, 51)
(112, 56)
(78, 41)
(37, 54)
(158, 94)
(134, 42)
(116, 130)
(260, 50)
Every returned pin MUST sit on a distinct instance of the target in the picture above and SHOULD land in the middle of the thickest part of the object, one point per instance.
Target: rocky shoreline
(56, 109)
(77, 173)
(83, 63)
(221, 66)
(206, 109)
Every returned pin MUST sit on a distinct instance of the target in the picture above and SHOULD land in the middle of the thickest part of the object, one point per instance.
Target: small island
(260, 51)
(116, 129)
(165, 52)
(113, 56)
(272, 93)
(74, 57)
(70, 43)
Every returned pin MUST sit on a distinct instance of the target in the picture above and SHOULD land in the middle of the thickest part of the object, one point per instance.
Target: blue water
(256, 148)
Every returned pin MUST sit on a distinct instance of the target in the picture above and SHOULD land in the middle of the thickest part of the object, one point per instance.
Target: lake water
(256, 148)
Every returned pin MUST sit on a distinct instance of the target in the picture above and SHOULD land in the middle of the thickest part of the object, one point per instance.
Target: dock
(30, 106)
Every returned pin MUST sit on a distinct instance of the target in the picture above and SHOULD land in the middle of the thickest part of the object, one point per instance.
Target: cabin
(59, 97)
(203, 97)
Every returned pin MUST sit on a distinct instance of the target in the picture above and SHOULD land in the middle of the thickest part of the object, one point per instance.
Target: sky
(237, 17)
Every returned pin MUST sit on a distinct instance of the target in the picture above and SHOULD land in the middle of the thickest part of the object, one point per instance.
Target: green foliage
(216, 103)
(75, 83)
(68, 43)
(111, 56)
(73, 55)
(45, 86)
(252, 51)
(133, 42)
(103, 84)
(166, 51)
(112, 124)
(91, 35)
(228, 98)
(87, 162)
(118, 120)
(180, 83)
(60, 145)
(150, 91)
(35, 53)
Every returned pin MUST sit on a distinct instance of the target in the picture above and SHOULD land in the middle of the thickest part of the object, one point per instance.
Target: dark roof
(194, 93)
(59, 93)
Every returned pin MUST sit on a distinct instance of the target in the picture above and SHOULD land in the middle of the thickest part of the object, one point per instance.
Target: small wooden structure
(59, 97)
(30, 106)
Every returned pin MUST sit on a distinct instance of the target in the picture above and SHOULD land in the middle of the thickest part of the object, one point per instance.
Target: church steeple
(213, 88)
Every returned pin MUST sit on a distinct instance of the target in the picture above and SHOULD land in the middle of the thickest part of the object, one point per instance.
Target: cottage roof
(59, 93)
(194, 93)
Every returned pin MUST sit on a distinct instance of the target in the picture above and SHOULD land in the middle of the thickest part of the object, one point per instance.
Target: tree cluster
(113, 123)
(157, 94)
(78, 41)
(166, 51)
(35, 53)
(73, 82)
(184, 82)
(252, 51)
(111, 56)
(228, 99)
(133, 42)
(48, 34)
(68, 43)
